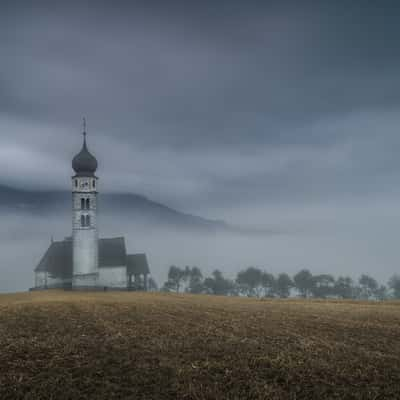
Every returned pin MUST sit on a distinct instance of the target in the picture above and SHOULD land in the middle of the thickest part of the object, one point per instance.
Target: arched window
(94, 183)
(87, 204)
(87, 220)
(76, 183)
(82, 220)
(82, 204)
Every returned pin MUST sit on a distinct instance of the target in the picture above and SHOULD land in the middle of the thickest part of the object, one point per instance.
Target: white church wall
(51, 281)
(85, 280)
(84, 236)
(78, 211)
(76, 200)
(44, 279)
(113, 277)
(40, 279)
(85, 251)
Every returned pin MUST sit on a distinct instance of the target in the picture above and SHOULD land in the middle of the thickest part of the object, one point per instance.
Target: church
(84, 261)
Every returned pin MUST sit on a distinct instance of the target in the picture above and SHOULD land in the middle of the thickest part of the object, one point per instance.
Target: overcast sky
(257, 112)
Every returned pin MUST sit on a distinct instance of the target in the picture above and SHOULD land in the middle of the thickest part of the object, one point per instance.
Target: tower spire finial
(84, 127)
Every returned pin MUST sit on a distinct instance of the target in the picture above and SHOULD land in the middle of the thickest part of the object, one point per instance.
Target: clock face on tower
(84, 184)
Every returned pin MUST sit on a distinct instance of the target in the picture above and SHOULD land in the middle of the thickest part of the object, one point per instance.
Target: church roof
(136, 264)
(112, 252)
(57, 260)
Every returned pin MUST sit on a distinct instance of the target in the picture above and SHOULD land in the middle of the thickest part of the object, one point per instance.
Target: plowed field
(67, 345)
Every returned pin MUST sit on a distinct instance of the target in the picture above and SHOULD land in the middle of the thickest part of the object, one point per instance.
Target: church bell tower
(84, 218)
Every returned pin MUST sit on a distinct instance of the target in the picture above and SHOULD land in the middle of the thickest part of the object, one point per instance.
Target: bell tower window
(82, 204)
(87, 204)
(87, 220)
(82, 220)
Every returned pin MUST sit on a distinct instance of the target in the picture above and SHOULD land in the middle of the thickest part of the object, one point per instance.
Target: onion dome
(84, 163)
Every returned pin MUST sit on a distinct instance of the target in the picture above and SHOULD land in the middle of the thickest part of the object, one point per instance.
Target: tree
(250, 280)
(176, 276)
(268, 283)
(344, 287)
(381, 293)
(283, 285)
(322, 285)
(195, 278)
(152, 285)
(303, 282)
(217, 284)
(394, 284)
(368, 286)
(168, 286)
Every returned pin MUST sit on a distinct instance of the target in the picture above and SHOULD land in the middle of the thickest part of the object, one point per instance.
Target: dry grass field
(63, 345)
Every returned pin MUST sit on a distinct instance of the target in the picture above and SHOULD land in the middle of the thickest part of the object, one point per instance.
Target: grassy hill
(58, 345)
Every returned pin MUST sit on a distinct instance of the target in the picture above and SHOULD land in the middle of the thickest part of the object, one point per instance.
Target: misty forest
(255, 282)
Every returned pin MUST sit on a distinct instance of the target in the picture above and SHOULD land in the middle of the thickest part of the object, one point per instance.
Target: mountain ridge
(132, 204)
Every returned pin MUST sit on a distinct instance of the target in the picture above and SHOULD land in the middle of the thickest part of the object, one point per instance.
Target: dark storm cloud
(177, 87)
